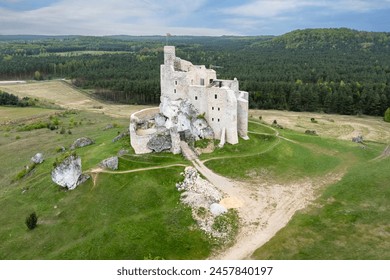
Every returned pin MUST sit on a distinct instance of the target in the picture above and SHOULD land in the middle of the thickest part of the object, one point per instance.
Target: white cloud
(102, 17)
(272, 8)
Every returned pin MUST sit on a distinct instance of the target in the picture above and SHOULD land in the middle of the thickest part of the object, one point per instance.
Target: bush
(313, 120)
(31, 221)
(387, 115)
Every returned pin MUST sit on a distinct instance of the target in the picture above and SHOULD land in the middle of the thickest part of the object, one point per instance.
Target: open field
(329, 125)
(13, 114)
(298, 196)
(63, 94)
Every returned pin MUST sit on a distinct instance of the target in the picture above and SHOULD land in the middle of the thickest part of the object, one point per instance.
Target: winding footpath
(263, 208)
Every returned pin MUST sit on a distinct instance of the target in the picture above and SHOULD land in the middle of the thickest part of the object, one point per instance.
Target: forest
(317, 70)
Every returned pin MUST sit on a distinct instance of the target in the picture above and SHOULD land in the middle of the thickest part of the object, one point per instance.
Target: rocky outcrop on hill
(183, 116)
(38, 158)
(122, 152)
(121, 135)
(82, 142)
(68, 173)
(159, 143)
(110, 163)
(203, 198)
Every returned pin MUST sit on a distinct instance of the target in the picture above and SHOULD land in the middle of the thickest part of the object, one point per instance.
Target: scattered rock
(110, 163)
(38, 158)
(311, 132)
(159, 143)
(82, 142)
(109, 126)
(120, 136)
(217, 209)
(359, 139)
(203, 198)
(68, 173)
(122, 152)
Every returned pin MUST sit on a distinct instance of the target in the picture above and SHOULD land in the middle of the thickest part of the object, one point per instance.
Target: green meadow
(137, 214)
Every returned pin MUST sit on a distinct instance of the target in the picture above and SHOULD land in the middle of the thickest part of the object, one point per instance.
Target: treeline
(9, 99)
(331, 70)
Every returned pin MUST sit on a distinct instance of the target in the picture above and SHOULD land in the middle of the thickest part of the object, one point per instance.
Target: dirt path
(263, 208)
(384, 154)
(96, 171)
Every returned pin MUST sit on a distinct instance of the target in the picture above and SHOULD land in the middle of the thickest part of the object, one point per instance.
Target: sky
(188, 17)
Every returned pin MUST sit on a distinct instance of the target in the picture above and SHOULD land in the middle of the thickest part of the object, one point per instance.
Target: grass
(15, 114)
(121, 217)
(138, 215)
(349, 221)
(63, 94)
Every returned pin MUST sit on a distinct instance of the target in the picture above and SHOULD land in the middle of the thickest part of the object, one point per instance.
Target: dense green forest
(331, 70)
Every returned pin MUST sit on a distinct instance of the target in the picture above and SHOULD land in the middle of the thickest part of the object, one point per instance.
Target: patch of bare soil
(265, 208)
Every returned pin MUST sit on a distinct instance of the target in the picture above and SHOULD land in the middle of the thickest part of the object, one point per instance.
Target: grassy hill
(136, 214)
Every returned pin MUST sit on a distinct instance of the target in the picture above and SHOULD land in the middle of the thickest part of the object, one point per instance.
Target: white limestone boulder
(217, 209)
(38, 158)
(110, 163)
(82, 142)
(68, 173)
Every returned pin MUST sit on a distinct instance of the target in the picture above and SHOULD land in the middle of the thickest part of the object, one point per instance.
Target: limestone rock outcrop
(122, 152)
(183, 117)
(120, 136)
(68, 173)
(217, 209)
(110, 163)
(203, 198)
(159, 143)
(82, 142)
(38, 158)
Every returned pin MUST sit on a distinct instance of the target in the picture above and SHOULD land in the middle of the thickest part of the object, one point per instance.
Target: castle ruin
(194, 105)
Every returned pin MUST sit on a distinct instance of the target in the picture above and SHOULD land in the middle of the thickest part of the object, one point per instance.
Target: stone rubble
(203, 198)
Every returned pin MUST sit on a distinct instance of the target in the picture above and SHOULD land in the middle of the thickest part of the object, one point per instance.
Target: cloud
(101, 17)
(181, 17)
(272, 8)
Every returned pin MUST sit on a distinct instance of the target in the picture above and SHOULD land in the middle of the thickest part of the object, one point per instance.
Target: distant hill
(340, 38)
(317, 70)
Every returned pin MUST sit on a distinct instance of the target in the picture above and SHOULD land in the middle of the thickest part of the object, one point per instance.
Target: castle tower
(169, 55)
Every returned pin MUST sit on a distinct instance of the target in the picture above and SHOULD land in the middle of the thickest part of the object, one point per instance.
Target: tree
(31, 221)
(387, 115)
(37, 76)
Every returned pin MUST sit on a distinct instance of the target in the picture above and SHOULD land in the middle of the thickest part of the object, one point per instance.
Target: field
(63, 94)
(316, 197)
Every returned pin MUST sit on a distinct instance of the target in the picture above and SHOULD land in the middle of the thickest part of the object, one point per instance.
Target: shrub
(31, 221)
(313, 120)
(387, 115)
